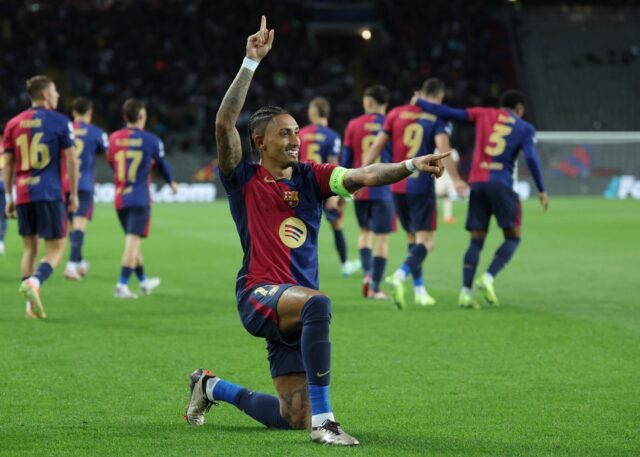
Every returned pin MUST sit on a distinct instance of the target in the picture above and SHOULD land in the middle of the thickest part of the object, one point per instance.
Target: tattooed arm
(380, 174)
(227, 136)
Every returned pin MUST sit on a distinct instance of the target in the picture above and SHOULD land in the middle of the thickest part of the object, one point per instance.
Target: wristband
(410, 166)
(250, 64)
(336, 182)
(8, 197)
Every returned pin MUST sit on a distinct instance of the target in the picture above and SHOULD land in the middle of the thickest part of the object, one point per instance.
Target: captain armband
(336, 182)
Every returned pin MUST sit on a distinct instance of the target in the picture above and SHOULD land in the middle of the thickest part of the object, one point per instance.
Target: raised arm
(227, 136)
(380, 174)
(443, 111)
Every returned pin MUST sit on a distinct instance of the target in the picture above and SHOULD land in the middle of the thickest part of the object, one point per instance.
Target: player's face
(51, 96)
(281, 142)
(367, 103)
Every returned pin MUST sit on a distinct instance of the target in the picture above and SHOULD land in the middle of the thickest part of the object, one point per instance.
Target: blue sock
(471, 259)
(316, 350)
(415, 258)
(341, 245)
(43, 272)
(416, 273)
(319, 399)
(3, 225)
(503, 255)
(417, 282)
(125, 274)
(261, 407)
(77, 239)
(365, 259)
(379, 264)
(140, 273)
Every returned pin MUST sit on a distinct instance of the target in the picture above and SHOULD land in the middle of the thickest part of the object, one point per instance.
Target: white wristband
(250, 64)
(410, 166)
(8, 197)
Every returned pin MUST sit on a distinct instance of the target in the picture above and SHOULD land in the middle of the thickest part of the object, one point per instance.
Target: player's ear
(258, 140)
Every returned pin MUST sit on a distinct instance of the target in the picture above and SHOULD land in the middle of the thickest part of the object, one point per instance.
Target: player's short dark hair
(511, 99)
(322, 106)
(131, 109)
(432, 87)
(259, 120)
(379, 93)
(36, 85)
(81, 105)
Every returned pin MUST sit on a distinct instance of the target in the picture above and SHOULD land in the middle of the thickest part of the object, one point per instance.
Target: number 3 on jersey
(500, 131)
(125, 167)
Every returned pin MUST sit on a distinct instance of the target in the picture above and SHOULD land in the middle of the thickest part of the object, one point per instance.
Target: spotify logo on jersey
(293, 232)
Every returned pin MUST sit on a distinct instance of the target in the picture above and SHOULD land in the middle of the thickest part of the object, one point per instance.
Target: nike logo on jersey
(320, 375)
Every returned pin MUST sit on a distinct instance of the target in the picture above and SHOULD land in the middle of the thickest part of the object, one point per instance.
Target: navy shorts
(45, 219)
(416, 212)
(375, 215)
(493, 198)
(135, 220)
(85, 205)
(257, 308)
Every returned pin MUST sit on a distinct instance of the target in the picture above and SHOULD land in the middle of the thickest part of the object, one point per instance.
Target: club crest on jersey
(293, 232)
(292, 198)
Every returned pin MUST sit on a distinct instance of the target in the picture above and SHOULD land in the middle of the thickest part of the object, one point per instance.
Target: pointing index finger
(441, 155)
(263, 23)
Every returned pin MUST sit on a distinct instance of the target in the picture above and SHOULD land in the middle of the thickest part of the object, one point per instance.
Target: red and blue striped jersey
(358, 138)
(36, 137)
(1, 167)
(132, 153)
(500, 135)
(90, 141)
(278, 222)
(412, 133)
(319, 144)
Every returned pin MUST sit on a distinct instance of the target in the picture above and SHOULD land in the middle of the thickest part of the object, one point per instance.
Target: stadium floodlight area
(589, 163)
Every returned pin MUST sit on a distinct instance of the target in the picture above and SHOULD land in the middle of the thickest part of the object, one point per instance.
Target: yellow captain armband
(336, 182)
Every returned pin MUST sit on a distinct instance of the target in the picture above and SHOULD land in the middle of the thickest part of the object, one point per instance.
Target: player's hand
(174, 187)
(259, 44)
(332, 203)
(431, 163)
(73, 203)
(10, 209)
(544, 201)
(462, 188)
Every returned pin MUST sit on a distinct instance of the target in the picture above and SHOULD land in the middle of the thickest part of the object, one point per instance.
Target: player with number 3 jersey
(500, 135)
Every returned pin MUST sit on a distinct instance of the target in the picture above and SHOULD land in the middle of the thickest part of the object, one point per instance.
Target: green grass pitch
(554, 371)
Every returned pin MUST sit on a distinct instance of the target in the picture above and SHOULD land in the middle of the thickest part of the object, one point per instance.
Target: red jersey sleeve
(388, 122)
(476, 112)
(7, 141)
(322, 173)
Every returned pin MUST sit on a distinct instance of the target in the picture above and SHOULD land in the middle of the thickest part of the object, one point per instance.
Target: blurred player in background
(374, 206)
(447, 192)
(320, 144)
(500, 135)
(132, 153)
(89, 141)
(3, 216)
(35, 142)
(276, 205)
(414, 133)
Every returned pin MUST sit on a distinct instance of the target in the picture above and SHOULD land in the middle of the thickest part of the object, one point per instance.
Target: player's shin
(471, 259)
(503, 254)
(379, 265)
(316, 356)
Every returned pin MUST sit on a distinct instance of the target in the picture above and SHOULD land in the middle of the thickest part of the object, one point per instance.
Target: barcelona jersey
(319, 144)
(37, 137)
(412, 133)
(278, 222)
(358, 138)
(132, 153)
(90, 141)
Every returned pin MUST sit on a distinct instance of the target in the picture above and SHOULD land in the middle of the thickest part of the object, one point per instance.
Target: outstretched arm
(380, 174)
(227, 136)
(443, 111)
